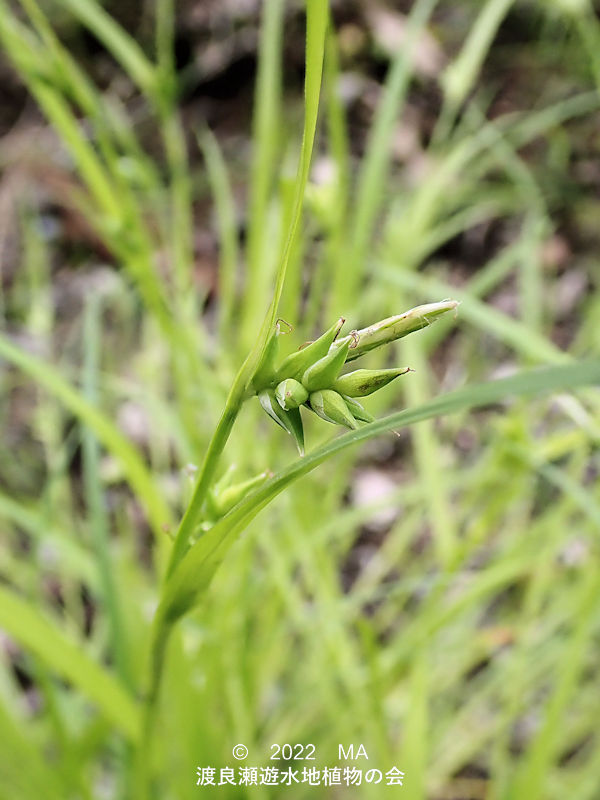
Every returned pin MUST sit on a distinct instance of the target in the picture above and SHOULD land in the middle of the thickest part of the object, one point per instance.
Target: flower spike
(311, 377)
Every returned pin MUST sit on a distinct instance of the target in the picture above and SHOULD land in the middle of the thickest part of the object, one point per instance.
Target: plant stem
(143, 777)
(93, 492)
(219, 439)
(317, 16)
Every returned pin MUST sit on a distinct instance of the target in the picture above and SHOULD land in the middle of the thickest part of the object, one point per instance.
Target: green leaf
(197, 568)
(38, 779)
(117, 41)
(74, 559)
(42, 636)
(317, 14)
(108, 434)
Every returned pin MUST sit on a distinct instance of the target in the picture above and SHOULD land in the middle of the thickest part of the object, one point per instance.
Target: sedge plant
(450, 634)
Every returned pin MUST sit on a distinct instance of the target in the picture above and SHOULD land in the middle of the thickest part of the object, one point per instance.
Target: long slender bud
(392, 328)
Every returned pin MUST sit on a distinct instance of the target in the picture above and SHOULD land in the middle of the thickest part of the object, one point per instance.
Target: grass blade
(317, 17)
(123, 47)
(196, 570)
(40, 635)
(131, 462)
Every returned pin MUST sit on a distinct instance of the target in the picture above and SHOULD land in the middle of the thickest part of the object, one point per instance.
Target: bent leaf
(197, 568)
(132, 463)
(62, 654)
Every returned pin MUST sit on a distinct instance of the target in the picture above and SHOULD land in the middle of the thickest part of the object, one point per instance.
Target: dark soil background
(531, 63)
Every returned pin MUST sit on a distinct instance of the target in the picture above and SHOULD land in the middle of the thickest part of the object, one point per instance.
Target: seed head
(296, 364)
(311, 375)
(363, 382)
(290, 394)
(323, 372)
(331, 407)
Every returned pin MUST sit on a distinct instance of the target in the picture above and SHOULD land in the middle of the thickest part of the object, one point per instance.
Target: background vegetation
(432, 594)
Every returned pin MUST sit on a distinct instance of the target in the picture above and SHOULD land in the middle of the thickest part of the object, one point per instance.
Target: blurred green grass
(459, 639)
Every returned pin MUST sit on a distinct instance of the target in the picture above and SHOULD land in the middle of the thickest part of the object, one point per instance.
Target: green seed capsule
(290, 421)
(265, 372)
(323, 372)
(357, 411)
(363, 382)
(331, 407)
(290, 394)
(296, 364)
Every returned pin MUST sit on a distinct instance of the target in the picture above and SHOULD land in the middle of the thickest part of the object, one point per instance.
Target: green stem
(143, 776)
(317, 16)
(219, 439)
(96, 511)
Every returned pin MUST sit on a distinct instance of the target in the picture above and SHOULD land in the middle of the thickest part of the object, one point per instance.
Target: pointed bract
(265, 372)
(357, 411)
(290, 421)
